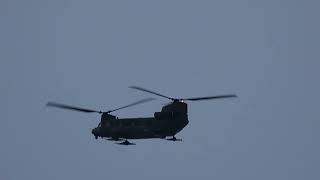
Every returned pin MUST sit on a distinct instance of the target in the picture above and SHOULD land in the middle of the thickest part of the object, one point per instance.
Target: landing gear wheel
(174, 139)
(126, 142)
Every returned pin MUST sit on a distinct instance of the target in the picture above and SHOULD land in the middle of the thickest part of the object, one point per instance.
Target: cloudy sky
(87, 53)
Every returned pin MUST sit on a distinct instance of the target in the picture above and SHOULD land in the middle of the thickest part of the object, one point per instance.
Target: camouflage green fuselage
(171, 120)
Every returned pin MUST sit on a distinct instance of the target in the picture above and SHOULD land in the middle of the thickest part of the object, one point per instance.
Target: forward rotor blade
(212, 97)
(132, 104)
(64, 106)
(148, 91)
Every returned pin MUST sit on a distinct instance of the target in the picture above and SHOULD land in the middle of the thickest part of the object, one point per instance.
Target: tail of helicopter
(177, 113)
(178, 109)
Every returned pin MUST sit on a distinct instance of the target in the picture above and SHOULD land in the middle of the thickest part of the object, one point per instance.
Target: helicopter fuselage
(171, 120)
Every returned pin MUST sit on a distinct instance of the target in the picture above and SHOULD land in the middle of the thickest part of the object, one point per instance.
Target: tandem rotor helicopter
(165, 124)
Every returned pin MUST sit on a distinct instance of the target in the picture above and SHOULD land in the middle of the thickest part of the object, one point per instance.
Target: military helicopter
(165, 124)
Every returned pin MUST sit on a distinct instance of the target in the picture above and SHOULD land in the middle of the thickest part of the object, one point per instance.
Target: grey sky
(87, 53)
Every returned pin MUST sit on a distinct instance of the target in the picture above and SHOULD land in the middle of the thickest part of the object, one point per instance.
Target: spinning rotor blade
(182, 99)
(211, 97)
(64, 106)
(132, 104)
(148, 91)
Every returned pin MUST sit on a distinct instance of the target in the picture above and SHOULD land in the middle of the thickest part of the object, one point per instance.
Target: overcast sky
(87, 53)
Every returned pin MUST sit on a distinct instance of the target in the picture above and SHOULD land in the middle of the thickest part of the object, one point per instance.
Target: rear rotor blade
(148, 91)
(64, 106)
(132, 104)
(190, 99)
(211, 97)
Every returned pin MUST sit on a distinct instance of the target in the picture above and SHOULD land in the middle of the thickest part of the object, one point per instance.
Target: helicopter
(165, 124)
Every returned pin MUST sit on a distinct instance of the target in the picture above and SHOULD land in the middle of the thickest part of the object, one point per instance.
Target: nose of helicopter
(95, 132)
